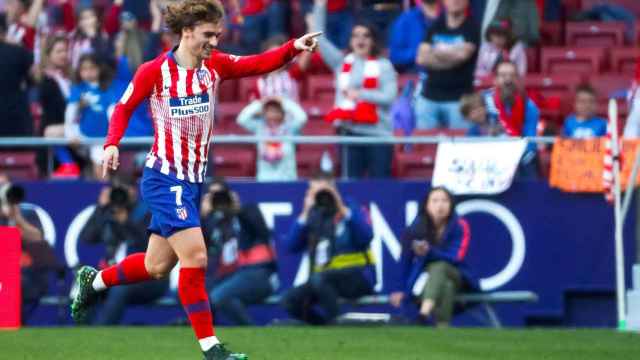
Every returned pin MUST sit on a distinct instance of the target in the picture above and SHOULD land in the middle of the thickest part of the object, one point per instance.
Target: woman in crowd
(433, 254)
(366, 86)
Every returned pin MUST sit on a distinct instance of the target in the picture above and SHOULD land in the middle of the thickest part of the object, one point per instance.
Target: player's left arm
(231, 66)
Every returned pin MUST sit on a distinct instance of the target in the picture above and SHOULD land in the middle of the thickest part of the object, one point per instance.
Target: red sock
(194, 299)
(128, 271)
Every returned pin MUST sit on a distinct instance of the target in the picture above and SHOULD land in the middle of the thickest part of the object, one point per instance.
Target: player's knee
(158, 269)
(196, 259)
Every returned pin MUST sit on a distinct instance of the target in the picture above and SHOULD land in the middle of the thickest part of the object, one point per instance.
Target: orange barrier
(577, 165)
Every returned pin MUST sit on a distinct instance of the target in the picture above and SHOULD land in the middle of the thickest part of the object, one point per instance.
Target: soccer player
(182, 86)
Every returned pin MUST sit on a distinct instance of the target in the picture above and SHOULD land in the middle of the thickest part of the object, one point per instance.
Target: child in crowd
(474, 110)
(584, 123)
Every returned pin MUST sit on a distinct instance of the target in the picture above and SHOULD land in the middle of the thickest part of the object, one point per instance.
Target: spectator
(285, 81)
(339, 20)
(366, 86)
(584, 123)
(436, 244)
(54, 87)
(337, 236)
(238, 237)
(15, 64)
(274, 117)
(258, 20)
(449, 53)
(408, 31)
(95, 91)
(500, 45)
(118, 219)
(37, 257)
(88, 37)
(524, 16)
(381, 14)
(474, 110)
(22, 16)
(158, 40)
(508, 104)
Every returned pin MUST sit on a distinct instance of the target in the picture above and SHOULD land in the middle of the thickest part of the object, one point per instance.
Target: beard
(507, 93)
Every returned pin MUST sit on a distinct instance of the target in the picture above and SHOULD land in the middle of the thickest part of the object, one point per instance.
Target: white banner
(477, 168)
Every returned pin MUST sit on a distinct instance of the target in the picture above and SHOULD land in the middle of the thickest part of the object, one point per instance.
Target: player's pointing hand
(110, 159)
(307, 42)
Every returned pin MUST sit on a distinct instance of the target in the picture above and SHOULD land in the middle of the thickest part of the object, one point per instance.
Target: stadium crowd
(385, 68)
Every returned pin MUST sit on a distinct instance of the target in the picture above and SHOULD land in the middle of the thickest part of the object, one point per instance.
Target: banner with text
(577, 165)
(477, 168)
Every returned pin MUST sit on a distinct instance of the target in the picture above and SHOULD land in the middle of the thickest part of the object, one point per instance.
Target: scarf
(361, 112)
(512, 122)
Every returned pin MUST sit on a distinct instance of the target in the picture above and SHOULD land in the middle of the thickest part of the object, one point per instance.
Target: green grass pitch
(305, 343)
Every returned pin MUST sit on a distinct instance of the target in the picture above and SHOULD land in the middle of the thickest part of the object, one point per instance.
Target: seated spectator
(584, 124)
(337, 236)
(366, 86)
(433, 264)
(508, 104)
(474, 110)
(449, 52)
(118, 219)
(92, 96)
(274, 117)
(22, 16)
(524, 16)
(408, 31)
(238, 237)
(283, 82)
(500, 45)
(15, 64)
(34, 277)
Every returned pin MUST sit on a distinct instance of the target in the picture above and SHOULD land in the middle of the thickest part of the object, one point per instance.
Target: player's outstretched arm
(231, 66)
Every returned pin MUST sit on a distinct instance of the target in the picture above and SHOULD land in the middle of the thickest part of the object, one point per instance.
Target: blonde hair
(187, 14)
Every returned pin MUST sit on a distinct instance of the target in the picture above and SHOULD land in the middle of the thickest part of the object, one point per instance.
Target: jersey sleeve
(139, 89)
(232, 66)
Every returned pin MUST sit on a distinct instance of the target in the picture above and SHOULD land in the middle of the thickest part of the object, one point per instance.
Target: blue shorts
(174, 204)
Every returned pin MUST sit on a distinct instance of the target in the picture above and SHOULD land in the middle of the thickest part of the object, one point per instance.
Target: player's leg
(156, 263)
(190, 248)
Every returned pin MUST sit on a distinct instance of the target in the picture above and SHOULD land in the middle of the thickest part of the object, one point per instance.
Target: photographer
(37, 257)
(120, 219)
(239, 242)
(337, 237)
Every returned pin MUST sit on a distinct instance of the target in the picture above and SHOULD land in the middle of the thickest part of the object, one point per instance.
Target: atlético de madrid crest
(181, 212)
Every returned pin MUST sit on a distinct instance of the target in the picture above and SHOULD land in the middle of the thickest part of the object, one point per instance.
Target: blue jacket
(452, 249)
(585, 129)
(407, 32)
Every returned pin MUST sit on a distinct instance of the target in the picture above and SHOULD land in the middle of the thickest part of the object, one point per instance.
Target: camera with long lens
(119, 197)
(221, 200)
(325, 203)
(11, 194)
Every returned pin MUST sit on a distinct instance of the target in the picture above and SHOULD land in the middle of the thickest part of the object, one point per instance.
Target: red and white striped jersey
(183, 104)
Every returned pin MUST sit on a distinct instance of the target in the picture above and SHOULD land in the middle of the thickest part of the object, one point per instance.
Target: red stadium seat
(19, 165)
(554, 89)
(316, 110)
(564, 60)
(418, 160)
(247, 88)
(227, 112)
(595, 33)
(551, 33)
(623, 60)
(228, 91)
(232, 161)
(308, 158)
(321, 87)
(608, 85)
(533, 60)
(318, 128)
